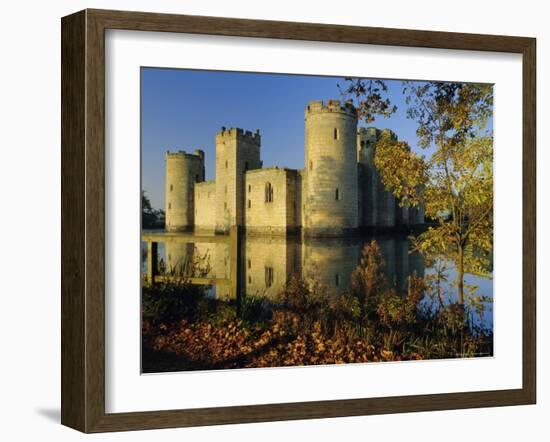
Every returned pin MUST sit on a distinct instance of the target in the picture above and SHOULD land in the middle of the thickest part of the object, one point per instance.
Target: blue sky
(184, 109)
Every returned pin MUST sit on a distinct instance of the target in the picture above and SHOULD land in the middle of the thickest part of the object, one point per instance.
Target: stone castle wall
(378, 207)
(270, 201)
(416, 215)
(368, 184)
(300, 204)
(402, 215)
(205, 206)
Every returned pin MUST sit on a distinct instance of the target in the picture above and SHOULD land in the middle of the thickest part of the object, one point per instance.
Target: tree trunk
(460, 275)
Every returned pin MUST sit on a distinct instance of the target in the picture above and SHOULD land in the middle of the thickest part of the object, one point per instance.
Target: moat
(266, 263)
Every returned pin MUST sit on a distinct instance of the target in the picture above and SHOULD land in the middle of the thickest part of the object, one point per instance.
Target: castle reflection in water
(268, 262)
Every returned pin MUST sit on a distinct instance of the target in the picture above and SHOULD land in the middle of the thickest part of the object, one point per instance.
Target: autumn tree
(369, 96)
(454, 180)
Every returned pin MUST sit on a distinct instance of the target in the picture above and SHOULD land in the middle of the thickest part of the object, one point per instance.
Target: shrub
(172, 301)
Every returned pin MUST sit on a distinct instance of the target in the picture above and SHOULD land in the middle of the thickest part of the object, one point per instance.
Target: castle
(338, 192)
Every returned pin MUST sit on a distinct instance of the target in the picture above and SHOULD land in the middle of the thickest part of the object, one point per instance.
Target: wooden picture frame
(83, 220)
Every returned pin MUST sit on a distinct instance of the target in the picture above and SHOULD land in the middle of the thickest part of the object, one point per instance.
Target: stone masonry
(339, 191)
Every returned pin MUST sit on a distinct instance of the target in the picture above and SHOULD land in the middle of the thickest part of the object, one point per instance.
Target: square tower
(236, 152)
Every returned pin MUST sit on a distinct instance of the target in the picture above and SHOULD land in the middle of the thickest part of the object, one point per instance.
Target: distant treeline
(150, 218)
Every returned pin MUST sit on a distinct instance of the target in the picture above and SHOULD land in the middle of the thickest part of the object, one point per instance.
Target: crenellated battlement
(238, 133)
(368, 135)
(369, 132)
(273, 169)
(347, 107)
(197, 155)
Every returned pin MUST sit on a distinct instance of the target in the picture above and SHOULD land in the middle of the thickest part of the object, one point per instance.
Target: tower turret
(331, 196)
(183, 170)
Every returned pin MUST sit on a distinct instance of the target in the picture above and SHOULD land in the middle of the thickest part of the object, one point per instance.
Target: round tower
(183, 170)
(331, 199)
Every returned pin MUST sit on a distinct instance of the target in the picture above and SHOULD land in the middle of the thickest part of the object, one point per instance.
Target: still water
(267, 263)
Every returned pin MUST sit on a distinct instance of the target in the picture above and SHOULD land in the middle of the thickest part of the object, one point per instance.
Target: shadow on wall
(51, 414)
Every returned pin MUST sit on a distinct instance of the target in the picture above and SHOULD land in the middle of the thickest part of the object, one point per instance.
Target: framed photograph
(267, 221)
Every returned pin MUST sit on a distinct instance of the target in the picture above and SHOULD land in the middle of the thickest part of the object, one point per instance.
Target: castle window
(246, 165)
(311, 165)
(171, 187)
(225, 206)
(226, 164)
(225, 189)
(249, 187)
(336, 134)
(268, 277)
(249, 279)
(249, 264)
(268, 193)
(249, 204)
(337, 279)
(337, 195)
(169, 206)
